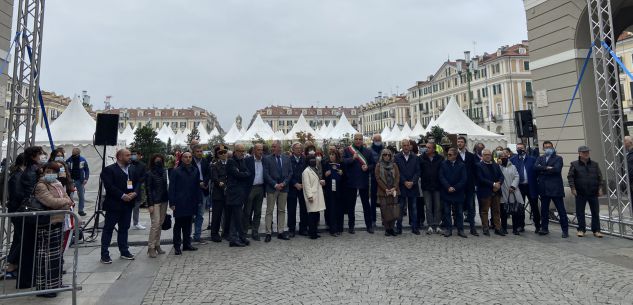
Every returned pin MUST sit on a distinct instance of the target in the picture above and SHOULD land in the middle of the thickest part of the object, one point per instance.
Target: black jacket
(184, 190)
(238, 181)
(156, 187)
(206, 172)
(15, 191)
(585, 178)
(471, 169)
(297, 170)
(487, 175)
(28, 180)
(430, 172)
(218, 174)
(115, 183)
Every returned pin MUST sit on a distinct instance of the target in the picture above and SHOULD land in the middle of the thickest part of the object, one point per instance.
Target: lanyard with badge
(130, 185)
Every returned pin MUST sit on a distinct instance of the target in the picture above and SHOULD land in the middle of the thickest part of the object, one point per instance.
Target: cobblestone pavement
(409, 269)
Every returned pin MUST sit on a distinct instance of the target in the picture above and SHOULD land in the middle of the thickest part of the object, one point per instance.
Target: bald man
(122, 185)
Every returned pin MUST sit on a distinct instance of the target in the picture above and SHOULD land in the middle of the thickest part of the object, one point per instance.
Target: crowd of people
(436, 187)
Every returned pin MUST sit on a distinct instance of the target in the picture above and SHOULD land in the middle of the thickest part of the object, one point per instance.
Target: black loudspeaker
(107, 129)
(524, 123)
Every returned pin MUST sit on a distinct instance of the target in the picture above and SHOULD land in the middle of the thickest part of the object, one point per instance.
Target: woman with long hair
(157, 199)
(388, 179)
(313, 193)
(333, 175)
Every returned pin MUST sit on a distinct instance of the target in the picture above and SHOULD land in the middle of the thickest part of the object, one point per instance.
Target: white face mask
(43, 159)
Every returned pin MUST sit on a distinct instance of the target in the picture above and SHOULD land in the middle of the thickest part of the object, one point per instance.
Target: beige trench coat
(312, 189)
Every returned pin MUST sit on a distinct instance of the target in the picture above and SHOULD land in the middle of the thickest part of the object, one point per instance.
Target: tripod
(98, 211)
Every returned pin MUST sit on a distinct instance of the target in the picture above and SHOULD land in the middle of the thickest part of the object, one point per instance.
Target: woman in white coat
(313, 193)
(512, 201)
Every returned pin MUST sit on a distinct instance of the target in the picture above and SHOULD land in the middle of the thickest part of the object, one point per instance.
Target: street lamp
(379, 100)
(470, 67)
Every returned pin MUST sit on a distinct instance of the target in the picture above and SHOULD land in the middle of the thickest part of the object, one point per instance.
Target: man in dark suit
(277, 174)
(489, 180)
(376, 148)
(204, 169)
(527, 186)
(548, 168)
(295, 193)
(252, 213)
(359, 162)
(218, 180)
(453, 178)
(122, 185)
(409, 166)
(237, 186)
(470, 162)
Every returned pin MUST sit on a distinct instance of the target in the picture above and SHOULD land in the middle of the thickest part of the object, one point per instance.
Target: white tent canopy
(127, 135)
(233, 134)
(405, 132)
(386, 132)
(74, 124)
(394, 135)
(454, 120)
(180, 138)
(259, 129)
(279, 135)
(204, 135)
(430, 126)
(342, 129)
(301, 126)
(165, 133)
(214, 132)
(417, 131)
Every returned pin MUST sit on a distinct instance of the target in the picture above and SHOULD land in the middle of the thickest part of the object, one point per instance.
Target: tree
(194, 135)
(304, 136)
(146, 142)
(216, 140)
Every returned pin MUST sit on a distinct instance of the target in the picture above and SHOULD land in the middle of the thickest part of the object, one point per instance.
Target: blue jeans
(413, 212)
(560, 207)
(581, 202)
(459, 215)
(80, 193)
(122, 220)
(199, 219)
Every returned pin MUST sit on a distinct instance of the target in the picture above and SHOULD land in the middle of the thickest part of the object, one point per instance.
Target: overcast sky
(235, 56)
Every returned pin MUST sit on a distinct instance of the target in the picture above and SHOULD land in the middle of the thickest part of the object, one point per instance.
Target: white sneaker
(139, 227)
(438, 231)
(429, 231)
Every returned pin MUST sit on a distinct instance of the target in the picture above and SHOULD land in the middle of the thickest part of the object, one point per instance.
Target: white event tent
(417, 132)
(233, 134)
(454, 120)
(342, 129)
(386, 132)
(394, 135)
(301, 126)
(430, 126)
(259, 129)
(165, 133)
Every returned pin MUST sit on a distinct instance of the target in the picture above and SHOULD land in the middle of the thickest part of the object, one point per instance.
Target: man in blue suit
(527, 185)
(359, 162)
(277, 174)
(453, 178)
(470, 163)
(295, 193)
(548, 168)
(409, 166)
(122, 184)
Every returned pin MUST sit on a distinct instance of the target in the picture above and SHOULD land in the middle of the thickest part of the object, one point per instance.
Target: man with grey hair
(358, 162)
(277, 175)
(252, 212)
(295, 193)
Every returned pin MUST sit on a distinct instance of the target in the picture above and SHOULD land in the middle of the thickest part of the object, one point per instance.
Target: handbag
(166, 223)
(31, 204)
(511, 207)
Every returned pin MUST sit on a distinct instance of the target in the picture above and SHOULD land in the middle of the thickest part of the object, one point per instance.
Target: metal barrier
(31, 236)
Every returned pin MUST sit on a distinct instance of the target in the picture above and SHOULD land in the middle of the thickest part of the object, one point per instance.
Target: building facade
(624, 50)
(6, 20)
(500, 83)
(385, 111)
(176, 118)
(284, 117)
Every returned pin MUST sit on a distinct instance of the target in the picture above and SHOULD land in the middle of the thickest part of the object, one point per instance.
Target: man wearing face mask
(527, 186)
(359, 162)
(80, 173)
(376, 148)
(295, 193)
(548, 168)
(489, 181)
(137, 161)
(469, 160)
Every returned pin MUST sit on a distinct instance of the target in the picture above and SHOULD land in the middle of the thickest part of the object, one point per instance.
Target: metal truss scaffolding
(620, 216)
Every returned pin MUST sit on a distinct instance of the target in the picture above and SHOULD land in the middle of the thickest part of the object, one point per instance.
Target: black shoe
(416, 232)
(504, 231)
(127, 256)
(543, 232)
(499, 232)
(521, 230)
(387, 233)
(189, 248)
(448, 233)
(236, 244)
(177, 251)
(351, 231)
(283, 236)
(333, 234)
(216, 238)
(291, 234)
(516, 232)
(474, 232)
(267, 238)
(314, 237)
(82, 213)
(565, 235)
(48, 295)
(303, 232)
(245, 241)
(397, 232)
(106, 260)
(487, 232)
(461, 234)
(255, 236)
(370, 230)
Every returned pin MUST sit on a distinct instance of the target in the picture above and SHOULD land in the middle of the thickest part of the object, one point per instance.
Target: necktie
(279, 166)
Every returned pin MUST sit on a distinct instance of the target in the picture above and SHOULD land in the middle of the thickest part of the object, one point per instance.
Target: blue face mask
(133, 157)
(423, 150)
(377, 143)
(549, 151)
(59, 159)
(50, 178)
